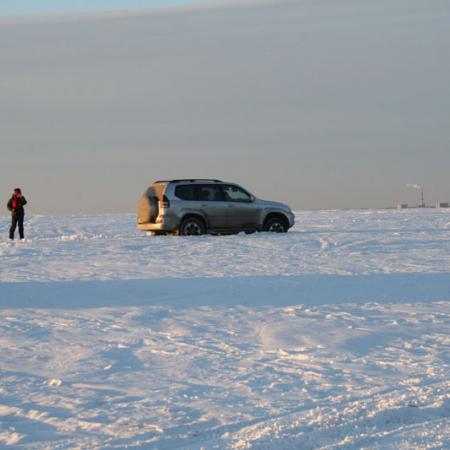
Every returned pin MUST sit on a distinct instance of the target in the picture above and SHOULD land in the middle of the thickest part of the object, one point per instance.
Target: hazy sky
(319, 103)
(34, 7)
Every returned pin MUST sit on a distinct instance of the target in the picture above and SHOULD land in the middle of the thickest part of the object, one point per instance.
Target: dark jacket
(21, 202)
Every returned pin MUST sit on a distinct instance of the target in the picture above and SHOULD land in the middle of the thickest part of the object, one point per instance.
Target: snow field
(335, 335)
(109, 247)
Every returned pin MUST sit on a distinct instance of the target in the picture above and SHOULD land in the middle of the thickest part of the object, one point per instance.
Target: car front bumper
(291, 218)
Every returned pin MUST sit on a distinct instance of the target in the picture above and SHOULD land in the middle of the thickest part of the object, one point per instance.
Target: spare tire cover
(148, 207)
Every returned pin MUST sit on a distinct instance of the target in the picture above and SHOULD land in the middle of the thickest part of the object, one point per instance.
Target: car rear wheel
(192, 227)
(276, 225)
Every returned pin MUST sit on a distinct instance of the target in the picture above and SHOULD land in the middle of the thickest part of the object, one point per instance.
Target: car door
(211, 202)
(242, 211)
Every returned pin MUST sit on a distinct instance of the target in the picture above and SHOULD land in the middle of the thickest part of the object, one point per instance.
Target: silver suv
(194, 207)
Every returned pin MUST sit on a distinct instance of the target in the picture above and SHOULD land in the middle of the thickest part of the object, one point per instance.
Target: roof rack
(190, 180)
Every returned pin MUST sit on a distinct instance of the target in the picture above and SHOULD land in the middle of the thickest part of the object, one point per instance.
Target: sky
(10, 8)
(317, 103)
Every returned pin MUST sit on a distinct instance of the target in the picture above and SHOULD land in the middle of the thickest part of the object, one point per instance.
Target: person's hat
(18, 190)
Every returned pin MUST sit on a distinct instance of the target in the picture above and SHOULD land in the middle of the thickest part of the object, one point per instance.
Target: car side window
(235, 194)
(185, 192)
(209, 193)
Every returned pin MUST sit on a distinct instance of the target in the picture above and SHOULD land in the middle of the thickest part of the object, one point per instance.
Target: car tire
(275, 225)
(192, 227)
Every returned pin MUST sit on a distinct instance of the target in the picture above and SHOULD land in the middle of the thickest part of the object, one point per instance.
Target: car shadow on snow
(310, 290)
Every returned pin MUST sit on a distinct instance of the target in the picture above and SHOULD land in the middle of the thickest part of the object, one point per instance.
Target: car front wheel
(275, 225)
(192, 227)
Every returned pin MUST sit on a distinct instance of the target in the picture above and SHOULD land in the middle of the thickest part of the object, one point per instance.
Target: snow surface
(334, 335)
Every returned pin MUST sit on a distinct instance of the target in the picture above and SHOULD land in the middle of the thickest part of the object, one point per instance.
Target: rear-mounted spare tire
(148, 208)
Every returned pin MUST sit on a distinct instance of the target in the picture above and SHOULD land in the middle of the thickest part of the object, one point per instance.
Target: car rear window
(185, 192)
(202, 192)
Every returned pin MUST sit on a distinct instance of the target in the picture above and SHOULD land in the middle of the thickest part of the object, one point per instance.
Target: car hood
(275, 205)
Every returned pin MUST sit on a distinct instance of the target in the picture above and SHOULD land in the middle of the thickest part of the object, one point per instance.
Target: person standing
(16, 206)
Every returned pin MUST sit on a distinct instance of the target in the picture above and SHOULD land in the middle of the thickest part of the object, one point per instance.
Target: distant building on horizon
(442, 205)
(402, 205)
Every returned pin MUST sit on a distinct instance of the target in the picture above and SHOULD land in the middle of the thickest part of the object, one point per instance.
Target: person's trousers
(16, 219)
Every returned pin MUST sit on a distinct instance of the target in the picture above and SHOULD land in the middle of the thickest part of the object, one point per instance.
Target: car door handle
(230, 206)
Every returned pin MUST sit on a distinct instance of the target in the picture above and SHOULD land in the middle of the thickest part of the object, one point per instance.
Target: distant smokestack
(419, 188)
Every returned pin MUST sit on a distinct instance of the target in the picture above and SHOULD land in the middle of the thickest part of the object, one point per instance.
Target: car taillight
(165, 202)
